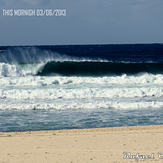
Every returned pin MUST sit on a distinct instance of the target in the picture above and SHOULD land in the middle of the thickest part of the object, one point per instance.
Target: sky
(82, 22)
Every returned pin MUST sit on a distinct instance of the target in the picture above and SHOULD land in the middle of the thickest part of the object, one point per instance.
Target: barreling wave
(25, 61)
(78, 68)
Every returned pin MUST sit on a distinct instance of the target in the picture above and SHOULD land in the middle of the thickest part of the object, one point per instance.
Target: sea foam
(119, 92)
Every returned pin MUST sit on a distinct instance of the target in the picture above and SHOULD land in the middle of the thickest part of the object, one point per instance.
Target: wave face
(86, 60)
(95, 68)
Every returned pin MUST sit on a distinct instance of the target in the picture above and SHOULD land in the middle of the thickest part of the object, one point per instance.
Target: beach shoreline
(115, 144)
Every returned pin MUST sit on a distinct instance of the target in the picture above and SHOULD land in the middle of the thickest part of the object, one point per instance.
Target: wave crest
(36, 55)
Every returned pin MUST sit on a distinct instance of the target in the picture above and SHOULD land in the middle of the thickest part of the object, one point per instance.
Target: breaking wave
(78, 68)
(25, 61)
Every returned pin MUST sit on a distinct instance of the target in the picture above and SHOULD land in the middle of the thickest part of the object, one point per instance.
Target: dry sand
(104, 145)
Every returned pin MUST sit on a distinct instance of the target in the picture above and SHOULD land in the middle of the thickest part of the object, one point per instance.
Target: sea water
(80, 86)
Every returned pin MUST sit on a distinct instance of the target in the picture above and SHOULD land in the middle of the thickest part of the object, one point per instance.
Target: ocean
(80, 86)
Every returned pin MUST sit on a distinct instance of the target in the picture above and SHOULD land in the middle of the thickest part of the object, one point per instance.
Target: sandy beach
(102, 145)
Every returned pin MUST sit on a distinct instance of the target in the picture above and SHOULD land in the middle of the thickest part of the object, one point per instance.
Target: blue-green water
(34, 120)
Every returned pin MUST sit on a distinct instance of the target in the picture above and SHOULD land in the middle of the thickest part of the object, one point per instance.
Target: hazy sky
(86, 22)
